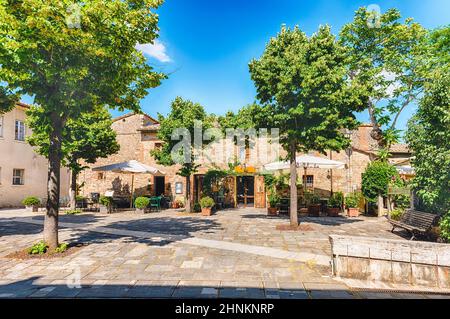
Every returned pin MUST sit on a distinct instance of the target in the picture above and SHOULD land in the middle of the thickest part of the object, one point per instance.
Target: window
(178, 188)
(18, 176)
(20, 131)
(309, 180)
(1, 126)
(158, 146)
(101, 176)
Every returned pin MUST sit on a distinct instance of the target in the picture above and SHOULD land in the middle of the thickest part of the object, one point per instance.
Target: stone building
(137, 136)
(23, 172)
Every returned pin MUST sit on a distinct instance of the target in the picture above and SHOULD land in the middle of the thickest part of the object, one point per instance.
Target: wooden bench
(415, 222)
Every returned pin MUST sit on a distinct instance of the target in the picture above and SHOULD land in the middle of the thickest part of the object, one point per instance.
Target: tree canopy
(71, 57)
(385, 59)
(304, 86)
(306, 92)
(88, 137)
(185, 120)
(428, 136)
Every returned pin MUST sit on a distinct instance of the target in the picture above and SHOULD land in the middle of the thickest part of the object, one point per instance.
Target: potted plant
(141, 204)
(178, 203)
(80, 201)
(105, 204)
(32, 203)
(274, 200)
(351, 203)
(207, 204)
(314, 206)
(335, 204)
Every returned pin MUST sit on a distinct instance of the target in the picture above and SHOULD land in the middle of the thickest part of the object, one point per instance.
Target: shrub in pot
(335, 204)
(207, 203)
(105, 204)
(141, 204)
(314, 206)
(274, 200)
(80, 201)
(32, 203)
(351, 203)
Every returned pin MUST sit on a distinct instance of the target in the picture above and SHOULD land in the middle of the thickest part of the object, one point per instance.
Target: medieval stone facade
(137, 136)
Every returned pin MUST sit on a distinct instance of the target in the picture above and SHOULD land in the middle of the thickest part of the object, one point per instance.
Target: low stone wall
(415, 263)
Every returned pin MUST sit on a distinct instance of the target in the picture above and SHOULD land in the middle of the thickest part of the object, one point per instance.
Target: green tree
(186, 119)
(385, 56)
(244, 118)
(71, 57)
(435, 58)
(86, 139)
(304, 86)
(428, 137)
(376, 179)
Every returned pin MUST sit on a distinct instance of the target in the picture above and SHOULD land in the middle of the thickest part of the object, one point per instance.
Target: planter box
(333, 211)
(33, 209)
(352, 212)
(141, 210)
(272, 211)
(206, 211)
(314, 210)
(105, 209)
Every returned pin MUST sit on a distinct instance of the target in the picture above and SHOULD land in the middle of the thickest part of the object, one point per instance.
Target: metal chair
(155, 202)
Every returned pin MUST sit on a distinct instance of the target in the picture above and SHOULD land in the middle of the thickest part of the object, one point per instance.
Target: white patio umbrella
(130, 167)
(305, 161)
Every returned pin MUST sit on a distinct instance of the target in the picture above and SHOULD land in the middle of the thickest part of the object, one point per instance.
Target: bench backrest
(418, 219)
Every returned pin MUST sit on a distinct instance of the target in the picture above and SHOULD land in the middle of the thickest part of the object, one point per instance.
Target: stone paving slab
(235, 253)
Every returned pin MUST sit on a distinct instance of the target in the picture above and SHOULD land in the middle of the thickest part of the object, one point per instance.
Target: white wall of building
(16, 154)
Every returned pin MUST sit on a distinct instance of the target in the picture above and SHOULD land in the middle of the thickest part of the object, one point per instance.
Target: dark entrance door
(246, 191)
(159, 185)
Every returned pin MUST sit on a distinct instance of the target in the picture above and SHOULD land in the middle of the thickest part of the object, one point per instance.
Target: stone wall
(135, 144)
(137, 141)
(420, 264)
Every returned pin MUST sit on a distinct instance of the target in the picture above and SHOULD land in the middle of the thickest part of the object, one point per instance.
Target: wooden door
(260, 192)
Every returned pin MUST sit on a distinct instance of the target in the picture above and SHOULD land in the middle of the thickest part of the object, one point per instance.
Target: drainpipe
(331, 175)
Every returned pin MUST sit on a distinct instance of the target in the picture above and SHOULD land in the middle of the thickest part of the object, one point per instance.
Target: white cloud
(390, 77)
(156, 50)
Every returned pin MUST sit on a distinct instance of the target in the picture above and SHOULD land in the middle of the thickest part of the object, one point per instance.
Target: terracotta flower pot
(314, 210)
(333, 211)
(272, 211)
(303, 212)
(206, 211)
(352, 212)
(105, 209)
(33, 209)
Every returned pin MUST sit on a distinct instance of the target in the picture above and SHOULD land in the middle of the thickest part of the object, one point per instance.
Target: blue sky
(206, 45)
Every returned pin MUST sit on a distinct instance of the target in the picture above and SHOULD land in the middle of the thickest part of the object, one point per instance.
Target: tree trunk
(53, 183)
(188, 206)
(73, 190)
(293, 172)
(380, 206)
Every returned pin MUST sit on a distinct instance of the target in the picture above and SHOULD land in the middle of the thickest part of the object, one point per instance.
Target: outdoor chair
(155, 203)
(415, 222)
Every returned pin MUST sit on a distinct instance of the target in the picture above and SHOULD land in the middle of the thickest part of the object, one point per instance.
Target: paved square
(232, 254)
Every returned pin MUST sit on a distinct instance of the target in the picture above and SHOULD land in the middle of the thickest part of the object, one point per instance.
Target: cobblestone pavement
(233, 254)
